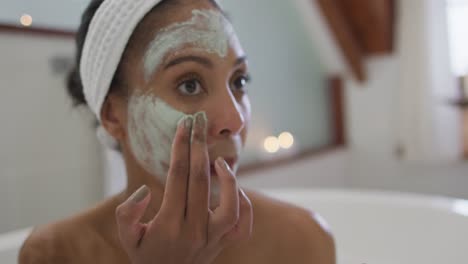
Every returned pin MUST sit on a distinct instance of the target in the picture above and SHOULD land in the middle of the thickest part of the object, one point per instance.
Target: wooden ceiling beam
(371, 22)
(345, 37)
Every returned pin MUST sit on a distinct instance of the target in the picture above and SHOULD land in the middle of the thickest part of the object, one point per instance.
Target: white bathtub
(369, 227)
(390, 228)
(10, 244)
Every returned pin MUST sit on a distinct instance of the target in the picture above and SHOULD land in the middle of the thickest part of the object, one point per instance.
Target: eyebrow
(240, 60)
(200, 60)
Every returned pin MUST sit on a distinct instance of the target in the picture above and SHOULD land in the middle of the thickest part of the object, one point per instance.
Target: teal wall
(288, 92)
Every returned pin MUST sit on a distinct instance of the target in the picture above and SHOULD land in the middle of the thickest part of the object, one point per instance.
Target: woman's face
(194, 64)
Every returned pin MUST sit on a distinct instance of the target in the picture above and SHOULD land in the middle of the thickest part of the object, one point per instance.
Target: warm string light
(26, 20)
(286, 140)
(273, 144)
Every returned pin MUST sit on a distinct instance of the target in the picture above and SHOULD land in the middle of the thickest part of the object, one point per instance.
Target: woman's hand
(185, 230)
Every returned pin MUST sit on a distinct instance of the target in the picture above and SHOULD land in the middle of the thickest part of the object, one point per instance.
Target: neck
(136, 177)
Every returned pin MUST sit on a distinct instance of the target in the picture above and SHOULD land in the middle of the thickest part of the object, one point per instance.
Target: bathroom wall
(373, 162)
(289, 91)
(403, 134)
(64, 15)
(374, 159)
(50, 162)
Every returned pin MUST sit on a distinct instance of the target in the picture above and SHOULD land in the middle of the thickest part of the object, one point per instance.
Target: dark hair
(74, 83)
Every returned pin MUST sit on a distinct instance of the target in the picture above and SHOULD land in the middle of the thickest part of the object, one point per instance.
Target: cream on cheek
(152, 126)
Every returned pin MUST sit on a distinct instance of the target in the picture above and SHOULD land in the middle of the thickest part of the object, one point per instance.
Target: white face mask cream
(207, 30)
(152, 122)
(151, 127)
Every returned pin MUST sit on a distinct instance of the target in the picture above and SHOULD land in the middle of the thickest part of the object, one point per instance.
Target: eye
(190, 87)
(241, 82)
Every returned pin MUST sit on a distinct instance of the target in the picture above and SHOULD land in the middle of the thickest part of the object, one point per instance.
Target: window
(457, 14)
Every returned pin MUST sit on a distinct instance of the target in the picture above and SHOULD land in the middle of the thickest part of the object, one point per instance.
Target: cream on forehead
(207, 29)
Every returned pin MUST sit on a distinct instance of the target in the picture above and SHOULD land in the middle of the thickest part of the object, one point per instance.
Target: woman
(166, 80)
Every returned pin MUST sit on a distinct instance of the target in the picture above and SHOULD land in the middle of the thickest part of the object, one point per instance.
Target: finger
(199, 179)
(175, 193)
(242, 231)
(128, 216)
(227, 214)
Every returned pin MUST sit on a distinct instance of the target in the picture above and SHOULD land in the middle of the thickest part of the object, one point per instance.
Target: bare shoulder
(300, 235)
(64, 241)
(43, 245)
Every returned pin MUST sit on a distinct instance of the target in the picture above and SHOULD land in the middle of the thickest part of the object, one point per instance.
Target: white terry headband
(108, 34)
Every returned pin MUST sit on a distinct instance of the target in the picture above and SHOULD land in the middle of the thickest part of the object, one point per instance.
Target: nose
(228, 118)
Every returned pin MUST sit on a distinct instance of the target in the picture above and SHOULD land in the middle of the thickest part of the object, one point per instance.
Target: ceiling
(361, 28)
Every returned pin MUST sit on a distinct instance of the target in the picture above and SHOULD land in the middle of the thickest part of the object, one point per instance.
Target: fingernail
(181, 122)
(185, 122)
(188, 122)
(200, 119)
(140, 194)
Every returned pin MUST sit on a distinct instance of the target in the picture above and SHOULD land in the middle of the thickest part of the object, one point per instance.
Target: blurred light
(286, 140)
(271, 144)
(460, 207)
(26, 20)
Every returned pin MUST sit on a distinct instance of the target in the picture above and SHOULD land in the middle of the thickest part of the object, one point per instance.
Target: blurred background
(353, 94)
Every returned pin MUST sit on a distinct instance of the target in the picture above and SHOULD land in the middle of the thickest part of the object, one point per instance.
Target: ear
(113, 116)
